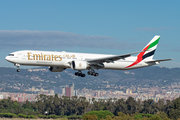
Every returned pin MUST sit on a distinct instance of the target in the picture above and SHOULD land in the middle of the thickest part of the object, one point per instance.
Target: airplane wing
(112, 58)
(153, 61)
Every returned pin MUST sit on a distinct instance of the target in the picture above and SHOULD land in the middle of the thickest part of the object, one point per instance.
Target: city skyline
(170, 92)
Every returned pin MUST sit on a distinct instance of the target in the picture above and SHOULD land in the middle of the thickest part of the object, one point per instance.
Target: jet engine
(79, 65)
(56, 69)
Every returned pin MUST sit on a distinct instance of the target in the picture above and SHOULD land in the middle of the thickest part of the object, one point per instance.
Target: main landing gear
(90, 72)
(79, 73)
(17, 65)
(93, 73)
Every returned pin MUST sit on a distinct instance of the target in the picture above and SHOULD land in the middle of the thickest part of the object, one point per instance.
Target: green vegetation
(100, 114)
(49, 116)
(140, 116)
(75, 117)
(90, 117)
(75, 108)
(8, 115)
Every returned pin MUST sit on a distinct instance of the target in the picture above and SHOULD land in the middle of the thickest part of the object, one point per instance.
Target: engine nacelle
(56, 69)
(79, 65)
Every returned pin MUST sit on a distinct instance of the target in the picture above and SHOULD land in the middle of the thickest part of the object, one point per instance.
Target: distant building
(58, 90)
(128, 91)
(33, 88)
(42, 89)
(76, 92)
(1, 96)
(51, 92)
(70, 90)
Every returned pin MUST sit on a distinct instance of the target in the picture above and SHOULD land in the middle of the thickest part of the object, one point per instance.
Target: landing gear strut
(79, 73)
(17, 65)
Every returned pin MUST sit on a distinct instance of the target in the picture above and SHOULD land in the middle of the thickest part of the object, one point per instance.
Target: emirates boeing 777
(59, 61)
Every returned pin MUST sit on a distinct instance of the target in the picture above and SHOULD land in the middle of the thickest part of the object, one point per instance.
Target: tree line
(54, 105)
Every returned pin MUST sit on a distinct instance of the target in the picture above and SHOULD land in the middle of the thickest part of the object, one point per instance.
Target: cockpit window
(11, 54)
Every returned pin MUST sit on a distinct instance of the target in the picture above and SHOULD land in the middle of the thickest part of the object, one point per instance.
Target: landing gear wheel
(79, 74)
(76, 73)
(96, 74)
(83, 75)
(18, 70)
(92, 73)
(88, 73)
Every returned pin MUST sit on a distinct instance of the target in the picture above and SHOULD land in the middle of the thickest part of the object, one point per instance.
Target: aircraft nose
(7, 58)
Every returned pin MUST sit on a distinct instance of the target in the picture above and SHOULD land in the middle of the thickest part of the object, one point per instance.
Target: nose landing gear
(17, 65)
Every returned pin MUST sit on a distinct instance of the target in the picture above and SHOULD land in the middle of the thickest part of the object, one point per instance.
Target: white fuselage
(62, 59)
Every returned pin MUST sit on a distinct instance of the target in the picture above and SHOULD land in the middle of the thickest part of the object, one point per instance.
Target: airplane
(59, 61)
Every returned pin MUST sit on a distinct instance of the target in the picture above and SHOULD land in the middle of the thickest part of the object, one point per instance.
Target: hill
(10, 80)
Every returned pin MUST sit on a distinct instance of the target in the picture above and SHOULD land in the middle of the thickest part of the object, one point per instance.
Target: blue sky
(96, 26)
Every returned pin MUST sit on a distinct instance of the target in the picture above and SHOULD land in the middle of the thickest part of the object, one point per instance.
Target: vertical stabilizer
(148, 51)
(150, 48)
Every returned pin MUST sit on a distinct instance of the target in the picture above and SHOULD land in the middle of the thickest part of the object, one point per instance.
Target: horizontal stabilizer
(153, 61)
